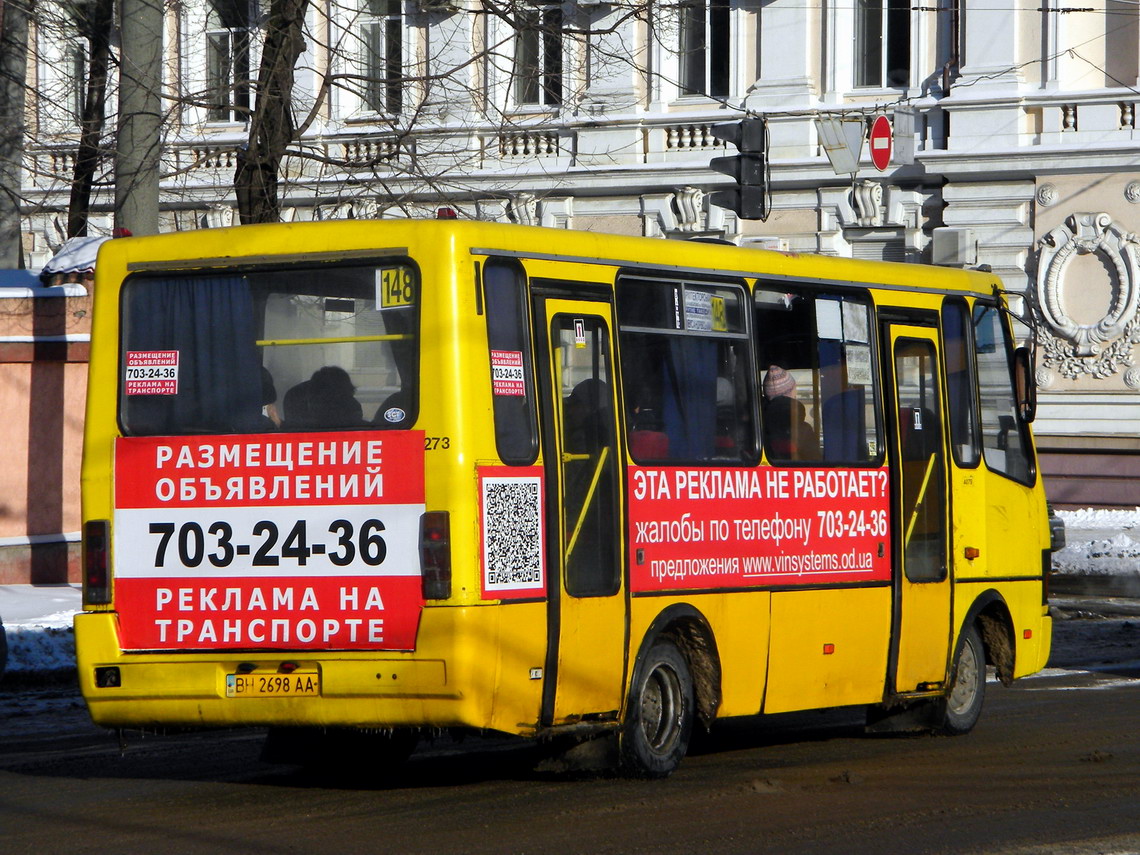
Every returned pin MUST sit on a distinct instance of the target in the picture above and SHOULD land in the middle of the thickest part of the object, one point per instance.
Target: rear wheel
(962, 706)
(659, 719)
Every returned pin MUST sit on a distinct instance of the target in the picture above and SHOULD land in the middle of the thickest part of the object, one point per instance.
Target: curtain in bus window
(843, 414)
(210, 323)
(689, 398)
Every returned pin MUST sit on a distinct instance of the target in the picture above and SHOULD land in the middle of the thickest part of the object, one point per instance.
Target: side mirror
(1025, 384)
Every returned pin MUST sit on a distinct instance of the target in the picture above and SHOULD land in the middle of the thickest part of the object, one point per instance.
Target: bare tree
(271, 122)
(13, 68)
(96, 24)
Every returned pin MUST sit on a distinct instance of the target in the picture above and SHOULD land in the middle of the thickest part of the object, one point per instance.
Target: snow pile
(35, 649)
(1100, 543)
(37, 621)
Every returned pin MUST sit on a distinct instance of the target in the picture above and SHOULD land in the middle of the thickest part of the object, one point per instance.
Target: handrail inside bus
(918, 500)
(277, 342)
(586, 502)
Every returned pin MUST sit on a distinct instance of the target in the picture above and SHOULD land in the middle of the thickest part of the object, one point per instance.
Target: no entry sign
(880, 142)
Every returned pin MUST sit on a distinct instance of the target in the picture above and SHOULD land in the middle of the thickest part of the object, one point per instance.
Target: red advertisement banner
(269, 541)
(761, 527)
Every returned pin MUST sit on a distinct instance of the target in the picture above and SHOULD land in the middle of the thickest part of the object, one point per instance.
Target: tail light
(96, 573)
(435, 554)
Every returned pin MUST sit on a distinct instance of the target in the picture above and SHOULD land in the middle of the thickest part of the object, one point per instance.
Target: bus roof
(277, 243)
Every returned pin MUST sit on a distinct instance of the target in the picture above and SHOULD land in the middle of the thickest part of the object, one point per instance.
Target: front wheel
(962, 706)
(659, 718)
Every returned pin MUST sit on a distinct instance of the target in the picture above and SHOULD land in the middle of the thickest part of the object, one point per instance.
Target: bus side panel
(1027, 616)
(1017, 527)
(829, 648)
(518, 647)
(739, 623)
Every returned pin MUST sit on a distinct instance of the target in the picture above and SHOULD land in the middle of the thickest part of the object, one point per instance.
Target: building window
(75, 66)
(382, 40)
(704, 47)
(537, 70)
(227, 60)
(882, 43)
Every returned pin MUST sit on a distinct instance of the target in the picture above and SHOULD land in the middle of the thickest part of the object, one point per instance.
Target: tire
(962, 706)
(659, 719)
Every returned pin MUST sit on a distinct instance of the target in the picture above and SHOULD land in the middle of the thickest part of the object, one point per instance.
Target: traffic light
(750, 168)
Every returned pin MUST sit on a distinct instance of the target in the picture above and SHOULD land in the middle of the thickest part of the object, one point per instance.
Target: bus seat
(649, 444)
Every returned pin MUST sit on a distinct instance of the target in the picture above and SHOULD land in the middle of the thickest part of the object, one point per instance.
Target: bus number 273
(216, 543)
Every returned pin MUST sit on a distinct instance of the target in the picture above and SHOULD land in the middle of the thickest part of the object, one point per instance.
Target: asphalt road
(1053, 767)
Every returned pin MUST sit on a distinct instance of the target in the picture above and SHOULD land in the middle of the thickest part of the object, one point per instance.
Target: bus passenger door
(921, 625)
(587, 627)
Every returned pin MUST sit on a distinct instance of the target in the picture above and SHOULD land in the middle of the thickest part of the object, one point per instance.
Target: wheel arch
(991, 615)
(690, 630)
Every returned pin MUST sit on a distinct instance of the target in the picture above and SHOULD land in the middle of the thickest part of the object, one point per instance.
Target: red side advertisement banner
(757, 527)
(269, 541)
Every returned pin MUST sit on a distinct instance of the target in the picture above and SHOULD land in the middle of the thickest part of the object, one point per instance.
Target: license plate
(296, 685)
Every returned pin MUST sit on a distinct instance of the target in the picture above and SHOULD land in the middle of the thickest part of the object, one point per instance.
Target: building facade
(598, 115)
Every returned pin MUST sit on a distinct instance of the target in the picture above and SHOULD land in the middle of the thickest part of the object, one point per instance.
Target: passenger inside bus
(787, 433)
(269, 414)
(325, 400)
(586, 416)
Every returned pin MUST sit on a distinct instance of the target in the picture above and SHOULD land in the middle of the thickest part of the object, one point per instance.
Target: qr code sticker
(512, 535)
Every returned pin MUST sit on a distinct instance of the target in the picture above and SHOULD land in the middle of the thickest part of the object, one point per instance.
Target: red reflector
(828, 649)
(435, 554)
(1027, 634)
(96, 575)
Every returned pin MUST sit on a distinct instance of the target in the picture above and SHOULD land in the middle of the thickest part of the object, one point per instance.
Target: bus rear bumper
(190, 690)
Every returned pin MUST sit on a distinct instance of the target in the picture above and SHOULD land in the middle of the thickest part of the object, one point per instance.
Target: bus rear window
(297, 349)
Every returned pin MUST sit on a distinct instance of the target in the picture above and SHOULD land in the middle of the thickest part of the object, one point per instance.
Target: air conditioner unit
(954, 247)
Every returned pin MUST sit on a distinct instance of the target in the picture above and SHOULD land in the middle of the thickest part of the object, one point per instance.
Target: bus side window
(512, 374)
(1003, 435)
(686, 371)
(815, 349)
(961, 391)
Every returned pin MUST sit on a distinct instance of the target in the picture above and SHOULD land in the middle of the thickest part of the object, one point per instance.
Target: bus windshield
(302, 349)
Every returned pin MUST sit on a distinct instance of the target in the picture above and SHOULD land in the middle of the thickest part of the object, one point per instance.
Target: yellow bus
(388, 477)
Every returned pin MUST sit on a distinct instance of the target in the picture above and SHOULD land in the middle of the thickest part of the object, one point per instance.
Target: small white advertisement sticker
(151, 372)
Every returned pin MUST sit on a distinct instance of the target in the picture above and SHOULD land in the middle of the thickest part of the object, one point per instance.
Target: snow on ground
(1100, 543)
(40, 639)
(37, 620)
